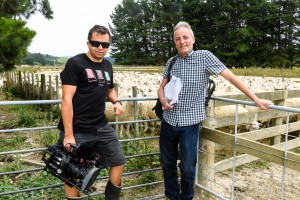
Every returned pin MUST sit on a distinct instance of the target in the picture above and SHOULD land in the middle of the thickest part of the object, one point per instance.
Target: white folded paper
(172, 89)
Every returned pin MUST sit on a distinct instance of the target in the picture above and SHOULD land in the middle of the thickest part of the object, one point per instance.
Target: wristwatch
(117, 101)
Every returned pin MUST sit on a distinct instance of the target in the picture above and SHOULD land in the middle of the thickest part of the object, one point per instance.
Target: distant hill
(110, 59)
(47, 60)
(42, 60)
(62, 59)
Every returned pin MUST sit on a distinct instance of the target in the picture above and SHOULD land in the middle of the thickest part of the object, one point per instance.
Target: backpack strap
(210, 90)
(171, 66)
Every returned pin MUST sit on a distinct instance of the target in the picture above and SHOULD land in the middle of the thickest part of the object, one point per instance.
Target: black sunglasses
(97, 44)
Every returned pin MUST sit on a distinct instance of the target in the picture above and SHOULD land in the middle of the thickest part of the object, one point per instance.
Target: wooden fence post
(57, 87)
(206, 156)
(38, 86)
(15, 74)
(28, 86)
(275, 122)
(43, 90)
(8, 83)
(32, 86)
(24, 84)
(50, 87)
(20, 83)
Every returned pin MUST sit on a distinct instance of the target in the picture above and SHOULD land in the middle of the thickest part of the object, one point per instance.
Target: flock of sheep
(147, 85)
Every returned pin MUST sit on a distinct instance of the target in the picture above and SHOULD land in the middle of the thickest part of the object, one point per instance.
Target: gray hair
(184, 24)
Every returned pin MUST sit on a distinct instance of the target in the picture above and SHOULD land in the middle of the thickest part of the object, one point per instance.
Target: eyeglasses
(97, 44)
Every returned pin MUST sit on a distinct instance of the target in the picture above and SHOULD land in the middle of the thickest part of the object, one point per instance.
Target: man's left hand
(118, 109)
(263, 103)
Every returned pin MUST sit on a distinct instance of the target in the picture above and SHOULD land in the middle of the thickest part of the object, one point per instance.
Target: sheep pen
(147, 85)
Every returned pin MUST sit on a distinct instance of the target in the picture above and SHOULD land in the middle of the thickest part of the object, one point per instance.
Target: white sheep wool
(229, 110)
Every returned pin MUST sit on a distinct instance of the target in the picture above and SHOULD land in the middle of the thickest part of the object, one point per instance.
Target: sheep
(147, 85)
(254, 125)
(253, 109)
(145, 109)
(294, 103)
(229, 110)
(146, 112)
(126, 116)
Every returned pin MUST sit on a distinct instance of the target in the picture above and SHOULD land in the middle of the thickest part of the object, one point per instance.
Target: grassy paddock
(17, 116)
(31, 116)
(268, 72)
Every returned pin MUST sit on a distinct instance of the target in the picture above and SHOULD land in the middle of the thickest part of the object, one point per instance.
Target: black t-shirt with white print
(93, 81)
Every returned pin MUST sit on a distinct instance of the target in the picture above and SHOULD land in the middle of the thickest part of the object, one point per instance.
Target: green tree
(247, 33)
(14, 36)
(17, 9)
(143, 31)
(125, 40)
(286, 31)
(14, 40)
(167, 15)
(240, 32)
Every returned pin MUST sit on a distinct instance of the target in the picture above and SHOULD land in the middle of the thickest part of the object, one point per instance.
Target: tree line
(240, 33)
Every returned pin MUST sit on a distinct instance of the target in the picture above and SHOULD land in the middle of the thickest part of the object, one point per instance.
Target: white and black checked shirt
(193, 70)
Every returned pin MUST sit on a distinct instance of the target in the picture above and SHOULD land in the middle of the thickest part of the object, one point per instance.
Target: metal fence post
(135, 112)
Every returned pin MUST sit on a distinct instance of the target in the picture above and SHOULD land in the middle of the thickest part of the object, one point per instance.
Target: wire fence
(39, 150)
(238, 175)
(245, 165)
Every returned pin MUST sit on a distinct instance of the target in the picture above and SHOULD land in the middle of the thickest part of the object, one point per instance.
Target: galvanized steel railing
(230, 195)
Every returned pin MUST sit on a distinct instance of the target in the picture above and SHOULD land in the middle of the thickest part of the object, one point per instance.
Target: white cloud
(66, 33)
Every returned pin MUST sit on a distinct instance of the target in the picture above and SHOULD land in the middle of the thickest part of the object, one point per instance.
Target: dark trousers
(173, 140)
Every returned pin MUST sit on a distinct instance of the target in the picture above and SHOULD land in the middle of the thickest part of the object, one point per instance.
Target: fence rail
(277, 151)
(245, 146)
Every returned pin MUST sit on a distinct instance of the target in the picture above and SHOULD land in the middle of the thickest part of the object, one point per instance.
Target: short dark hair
(98, 29)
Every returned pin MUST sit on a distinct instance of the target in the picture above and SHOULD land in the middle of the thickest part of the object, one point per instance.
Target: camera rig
(78, 168)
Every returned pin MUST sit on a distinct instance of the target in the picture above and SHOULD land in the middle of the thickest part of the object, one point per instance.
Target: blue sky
(66, 33)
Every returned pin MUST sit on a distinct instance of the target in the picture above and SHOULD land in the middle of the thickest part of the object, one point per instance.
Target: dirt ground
(263, 183)
(251, 183)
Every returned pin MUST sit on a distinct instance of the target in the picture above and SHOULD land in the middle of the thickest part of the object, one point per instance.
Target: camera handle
(73, 147)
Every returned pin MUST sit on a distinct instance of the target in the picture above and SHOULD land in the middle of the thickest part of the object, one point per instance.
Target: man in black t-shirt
(87, 82)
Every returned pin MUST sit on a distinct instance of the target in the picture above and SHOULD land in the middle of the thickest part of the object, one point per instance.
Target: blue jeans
(187, 138)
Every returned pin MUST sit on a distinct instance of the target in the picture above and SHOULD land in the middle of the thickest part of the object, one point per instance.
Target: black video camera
(78, 168)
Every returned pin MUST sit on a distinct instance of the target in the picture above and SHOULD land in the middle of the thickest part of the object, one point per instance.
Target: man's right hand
(67, 141)
(166, 104)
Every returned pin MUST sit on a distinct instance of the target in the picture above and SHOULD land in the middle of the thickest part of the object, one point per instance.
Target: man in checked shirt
(180, 122)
